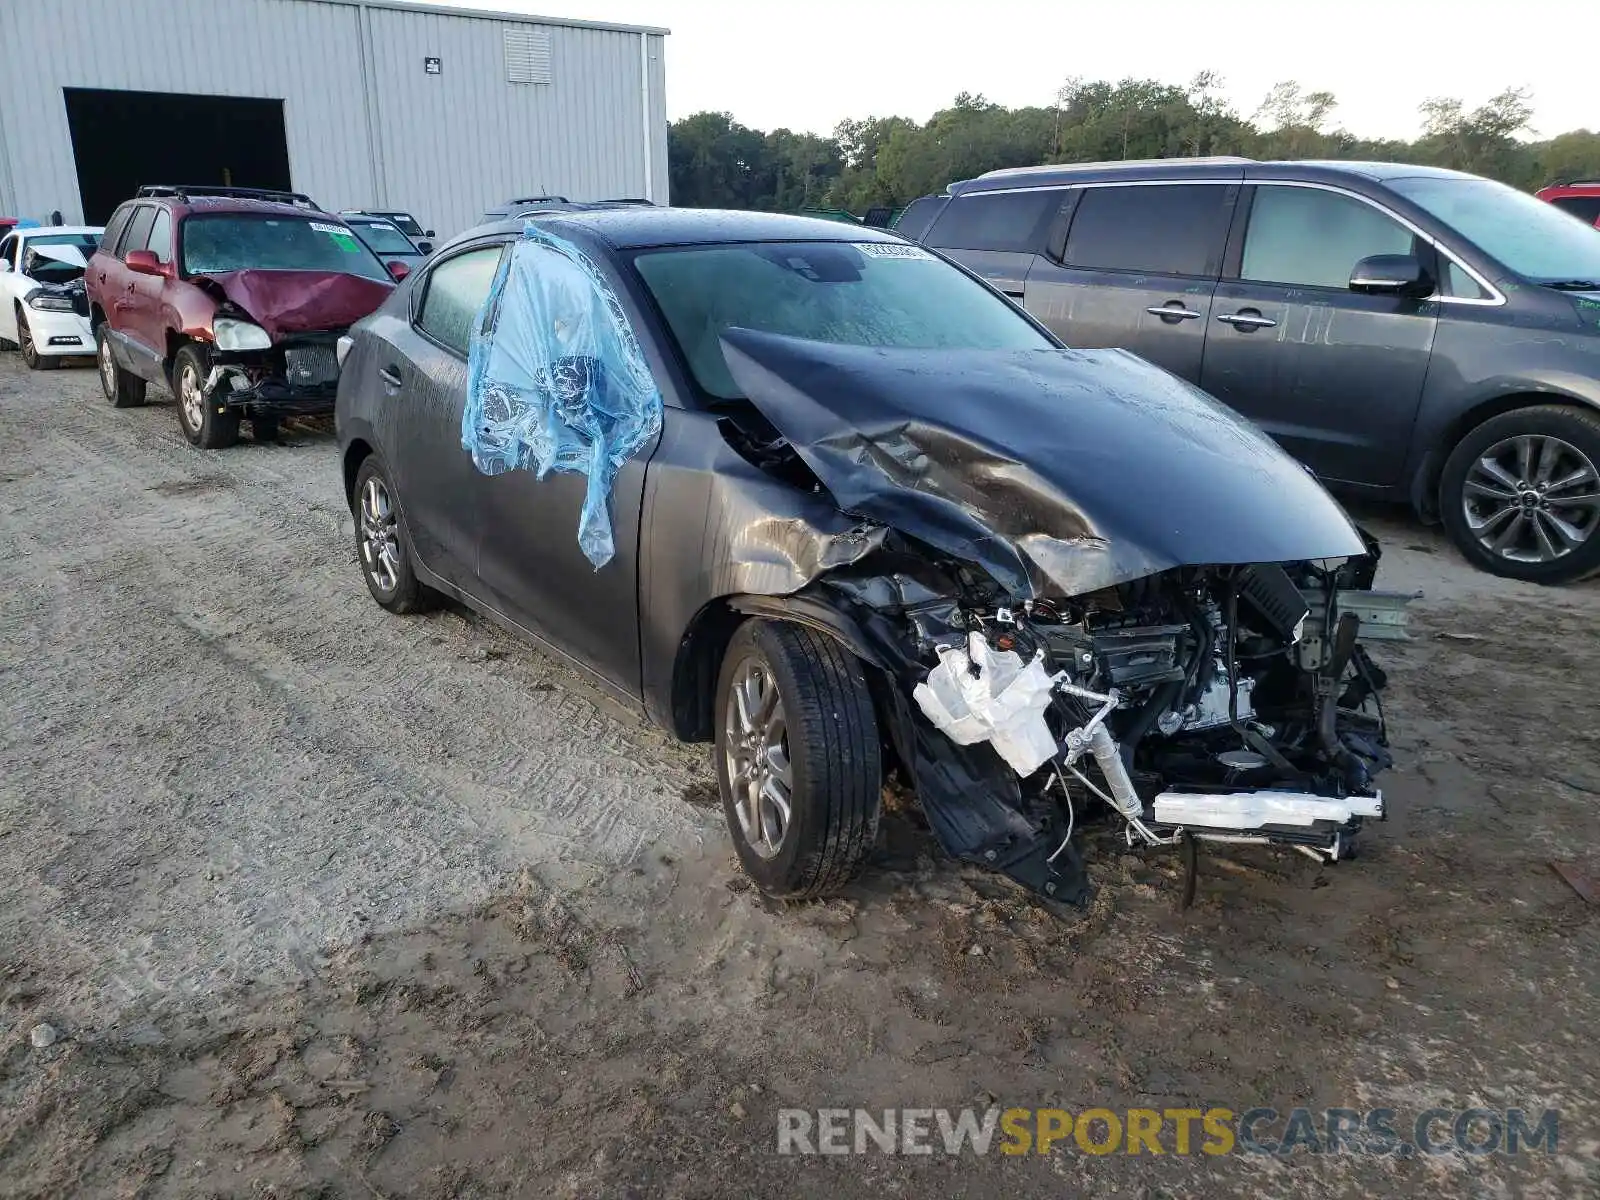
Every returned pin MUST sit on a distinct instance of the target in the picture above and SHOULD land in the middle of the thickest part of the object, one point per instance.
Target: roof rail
(1216, 160)
(537, 200)
(1575, 183)
(186, 191)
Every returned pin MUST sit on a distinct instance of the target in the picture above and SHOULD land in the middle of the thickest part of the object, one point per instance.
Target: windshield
(63, 261)
(856, 294)
(214, 245)
(1535, 239)
(408, 224)
(383, 238)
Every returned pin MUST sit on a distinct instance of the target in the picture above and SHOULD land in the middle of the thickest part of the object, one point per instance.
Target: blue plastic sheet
(556, 380)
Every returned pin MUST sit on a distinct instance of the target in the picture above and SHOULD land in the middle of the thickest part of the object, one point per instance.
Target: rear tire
(123, 388)
(1520, 494)
(795, 725)
(198, 416)
(383, 544)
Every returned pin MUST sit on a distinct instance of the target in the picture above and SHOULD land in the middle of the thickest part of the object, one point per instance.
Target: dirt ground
(321, 902)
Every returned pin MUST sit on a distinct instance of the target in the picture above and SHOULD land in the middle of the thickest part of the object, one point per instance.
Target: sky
(808, 64)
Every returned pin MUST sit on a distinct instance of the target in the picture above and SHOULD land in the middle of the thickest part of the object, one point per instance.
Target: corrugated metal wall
(447, 145)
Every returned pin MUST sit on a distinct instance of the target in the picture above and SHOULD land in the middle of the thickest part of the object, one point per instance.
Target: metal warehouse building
(359, 103)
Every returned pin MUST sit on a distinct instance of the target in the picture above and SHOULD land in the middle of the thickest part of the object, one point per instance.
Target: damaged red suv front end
(234, 302)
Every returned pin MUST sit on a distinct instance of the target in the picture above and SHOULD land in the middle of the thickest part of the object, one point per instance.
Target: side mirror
(399, 270)
(426, 247)
(1391, 275)
(5, 265)
(145, 262)
(428, 233)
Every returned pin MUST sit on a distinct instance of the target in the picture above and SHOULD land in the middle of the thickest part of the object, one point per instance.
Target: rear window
(383, 239)
(855, 294)
(917, 216)
(1166, 229)
(995, 221)
(217, 244)
(114, 228)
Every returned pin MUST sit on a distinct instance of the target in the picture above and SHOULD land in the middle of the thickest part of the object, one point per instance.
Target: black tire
(123, 388)
(30, 352)
(406, 593)
(205, 423)
(1579, 429)
(833, 755)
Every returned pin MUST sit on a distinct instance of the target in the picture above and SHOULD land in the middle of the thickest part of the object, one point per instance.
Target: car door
(122, 293)
(1137, 270)
(422, 373)
(995, 234)
(1334, 375)
(12, 286)
(144, 312)
(535, 573)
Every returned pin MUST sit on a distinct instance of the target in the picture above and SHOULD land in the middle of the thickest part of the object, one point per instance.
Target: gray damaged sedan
(821, 497)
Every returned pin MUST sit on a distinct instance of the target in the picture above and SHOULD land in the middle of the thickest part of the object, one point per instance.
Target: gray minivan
(1410, 332)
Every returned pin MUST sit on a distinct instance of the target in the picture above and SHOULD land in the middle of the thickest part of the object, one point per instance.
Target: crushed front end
(1228, 703)
(295, 376)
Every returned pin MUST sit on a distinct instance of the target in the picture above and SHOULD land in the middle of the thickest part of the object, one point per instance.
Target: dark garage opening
(124, 139)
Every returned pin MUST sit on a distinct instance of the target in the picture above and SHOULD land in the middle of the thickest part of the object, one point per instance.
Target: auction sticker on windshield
(342, 237)
(890, 250)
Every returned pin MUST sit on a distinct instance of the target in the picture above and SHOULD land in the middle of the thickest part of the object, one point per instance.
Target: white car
(43, 308)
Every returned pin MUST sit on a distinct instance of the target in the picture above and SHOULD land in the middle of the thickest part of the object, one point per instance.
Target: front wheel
(798, 758)
(30, 351)
(205, 423)
(1520, 494)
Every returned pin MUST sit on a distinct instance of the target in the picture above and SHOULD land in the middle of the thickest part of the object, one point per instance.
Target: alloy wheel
(108, 367)
(190, 399)
(756, 741)
(1532, 498)
(380, 535)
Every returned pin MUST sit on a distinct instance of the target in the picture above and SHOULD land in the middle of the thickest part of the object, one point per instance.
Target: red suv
(1580, 197)
(232, 298)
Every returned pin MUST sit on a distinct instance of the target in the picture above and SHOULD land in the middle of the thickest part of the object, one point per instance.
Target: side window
(995, 220)
(916, 217)
(1152, 229)
(8, 251)
(1460, 284)
(1585, 208)
(456, 290)
(161, 236)
(1309, 237)
(114, 228)
(138, 235)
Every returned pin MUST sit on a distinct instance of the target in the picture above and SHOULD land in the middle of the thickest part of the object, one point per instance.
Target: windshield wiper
(1572, 285)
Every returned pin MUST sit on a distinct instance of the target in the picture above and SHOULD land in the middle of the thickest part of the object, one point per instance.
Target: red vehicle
(233, 298)
(1580, 197)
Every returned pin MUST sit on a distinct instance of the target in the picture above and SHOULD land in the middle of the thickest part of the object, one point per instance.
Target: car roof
(235, 204)
(633, 227)
(1063, 174)
(30, 231)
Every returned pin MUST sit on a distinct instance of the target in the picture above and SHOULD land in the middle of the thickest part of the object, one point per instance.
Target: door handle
(1246, 321)
(1168, 312)
(1013, 295)
(391, 378)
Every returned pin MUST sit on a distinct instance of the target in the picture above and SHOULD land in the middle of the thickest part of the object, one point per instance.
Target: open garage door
(124, 139)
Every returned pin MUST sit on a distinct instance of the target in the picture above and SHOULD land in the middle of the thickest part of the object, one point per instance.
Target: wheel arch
(1429, 478)
(356, 453)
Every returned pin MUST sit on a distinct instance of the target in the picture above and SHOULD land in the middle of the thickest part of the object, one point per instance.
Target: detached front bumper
(295, 378)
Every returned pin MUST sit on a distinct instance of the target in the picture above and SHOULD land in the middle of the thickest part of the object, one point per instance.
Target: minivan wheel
(1520, 494)
(383, 546)
(202, 424)
(798, 758)
(123, 388)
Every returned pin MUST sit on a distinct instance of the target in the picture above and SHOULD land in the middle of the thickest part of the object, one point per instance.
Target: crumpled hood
(285, 302)
(1060, 472)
